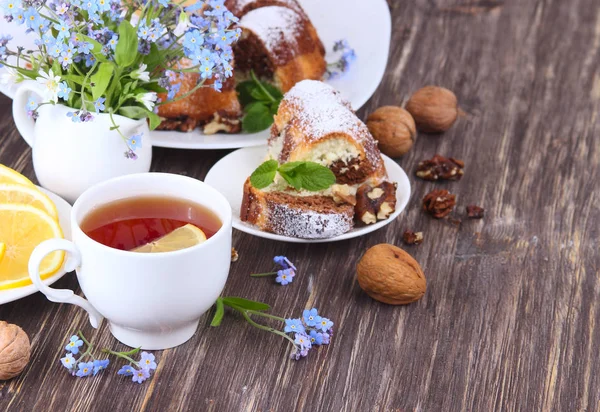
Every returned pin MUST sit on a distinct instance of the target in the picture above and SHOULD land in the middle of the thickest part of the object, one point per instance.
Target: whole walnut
(434, 109)
(14, 350)
(394, 129)
(390, 275)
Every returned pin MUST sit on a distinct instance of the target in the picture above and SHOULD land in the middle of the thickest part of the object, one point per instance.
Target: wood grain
(509, 318)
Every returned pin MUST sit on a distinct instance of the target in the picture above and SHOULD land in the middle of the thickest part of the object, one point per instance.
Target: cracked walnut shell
(390, 275)
(394, 129)
(14, 350)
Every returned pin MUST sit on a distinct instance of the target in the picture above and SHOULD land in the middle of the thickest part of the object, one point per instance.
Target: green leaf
(242, 303)
(96, 49)
(101, 79)
(273, 91)
(259, 95)
(154, 119)
(307, 175)
(133, 112)
(153, 59)
(264, 175)
(126, 88)
(216, 321)
(154, 87)
(75, 78)
(289, 166)
(274, 107)
(315, 177)
(127, 46)
(257, 118)
(292, 178)
(244, 90)
(266, 93)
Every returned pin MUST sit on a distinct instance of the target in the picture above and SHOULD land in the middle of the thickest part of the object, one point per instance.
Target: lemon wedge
(8, 175)
(181, 238)
(23, 228)
(2, 251)
(27, 195)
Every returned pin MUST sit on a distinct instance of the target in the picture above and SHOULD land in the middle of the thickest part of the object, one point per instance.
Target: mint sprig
(309, 176)
(260, 101)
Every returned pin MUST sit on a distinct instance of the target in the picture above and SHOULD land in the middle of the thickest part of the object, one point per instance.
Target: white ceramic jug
(69, 157)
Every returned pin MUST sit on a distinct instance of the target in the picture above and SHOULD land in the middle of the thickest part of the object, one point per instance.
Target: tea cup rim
(225, 223)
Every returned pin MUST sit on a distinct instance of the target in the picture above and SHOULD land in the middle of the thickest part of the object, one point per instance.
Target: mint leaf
(273, 91)
(219, 313)
(307, 175)
(274, 107)
(126, 50)
(258, 118)
(315, 177)
(261, 102)
(244, 90)
(289, 166)
(293, 179)
(289, 172)
(264, 175)
(241, 303)
(101, 79)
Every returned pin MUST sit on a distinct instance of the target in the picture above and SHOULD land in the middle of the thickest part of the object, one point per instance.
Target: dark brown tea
(129, 223)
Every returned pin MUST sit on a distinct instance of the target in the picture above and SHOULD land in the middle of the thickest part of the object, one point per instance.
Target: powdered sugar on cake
(320, 111)
(275, 26)
(308, 224)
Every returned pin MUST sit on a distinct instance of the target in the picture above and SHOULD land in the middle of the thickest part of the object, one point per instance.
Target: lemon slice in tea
(23, 228)
(181, 238)
(2, 250)
(8, 175)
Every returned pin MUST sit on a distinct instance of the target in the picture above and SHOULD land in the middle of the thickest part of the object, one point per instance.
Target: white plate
(367, 25)
(230, 173)
(64, 218)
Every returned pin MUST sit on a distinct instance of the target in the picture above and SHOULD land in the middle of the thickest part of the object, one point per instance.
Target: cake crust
(305, 217)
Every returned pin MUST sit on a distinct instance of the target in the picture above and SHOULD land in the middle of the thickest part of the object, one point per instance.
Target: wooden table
(509, 320)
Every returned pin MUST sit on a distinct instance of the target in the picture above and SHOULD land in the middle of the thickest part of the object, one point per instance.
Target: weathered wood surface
(509, 320)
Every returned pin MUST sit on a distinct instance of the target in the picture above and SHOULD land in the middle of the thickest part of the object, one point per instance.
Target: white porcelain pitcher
(69, 157)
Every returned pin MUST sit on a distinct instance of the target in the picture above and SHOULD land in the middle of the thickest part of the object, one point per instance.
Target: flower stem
(88, 351)
(259, 84)
(80, 333)
(183, 96)
(260, 275)
(122, 355)
(265, 315)
(263, 327)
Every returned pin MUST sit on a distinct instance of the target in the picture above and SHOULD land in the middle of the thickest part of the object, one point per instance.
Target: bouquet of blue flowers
(117, 56)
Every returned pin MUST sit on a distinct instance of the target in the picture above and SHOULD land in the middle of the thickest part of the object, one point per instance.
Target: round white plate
(230, 173)
(64, 218)
(367, 25)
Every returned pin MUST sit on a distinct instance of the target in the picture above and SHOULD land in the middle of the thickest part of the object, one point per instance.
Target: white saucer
(367, 25)
(230, 173)
(64, 218)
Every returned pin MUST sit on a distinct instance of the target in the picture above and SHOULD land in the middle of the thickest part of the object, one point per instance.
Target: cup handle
(24, 124)
(61, 295)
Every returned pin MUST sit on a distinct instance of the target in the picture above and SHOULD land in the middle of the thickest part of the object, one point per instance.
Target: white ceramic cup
(151, 300)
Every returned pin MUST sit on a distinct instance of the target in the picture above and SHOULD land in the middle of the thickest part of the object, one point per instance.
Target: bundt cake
(278, 43)
(315, 124)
